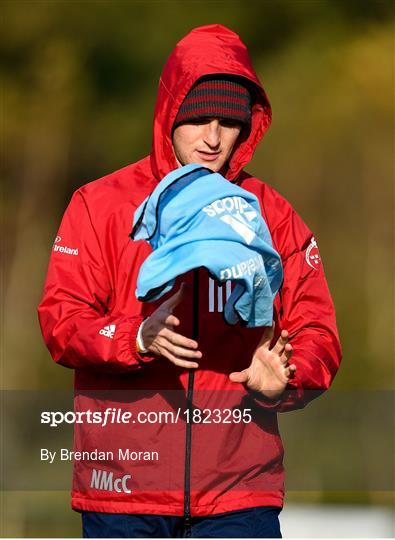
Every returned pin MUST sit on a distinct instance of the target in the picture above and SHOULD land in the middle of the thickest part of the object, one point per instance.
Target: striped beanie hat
(222, 98)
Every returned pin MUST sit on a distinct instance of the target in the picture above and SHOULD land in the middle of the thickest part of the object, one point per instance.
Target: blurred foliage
(79, 87)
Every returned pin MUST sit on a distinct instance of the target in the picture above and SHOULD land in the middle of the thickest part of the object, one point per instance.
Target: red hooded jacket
(89, 317)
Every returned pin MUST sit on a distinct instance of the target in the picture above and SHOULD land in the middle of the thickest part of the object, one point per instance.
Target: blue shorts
(259, 522)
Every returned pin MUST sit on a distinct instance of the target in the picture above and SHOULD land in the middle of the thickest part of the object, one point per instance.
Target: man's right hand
(160, 338)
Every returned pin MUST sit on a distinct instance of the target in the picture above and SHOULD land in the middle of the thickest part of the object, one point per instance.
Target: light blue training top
(196, 218)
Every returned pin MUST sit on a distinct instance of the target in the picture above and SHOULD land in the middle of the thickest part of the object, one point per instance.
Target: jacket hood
(206, 50)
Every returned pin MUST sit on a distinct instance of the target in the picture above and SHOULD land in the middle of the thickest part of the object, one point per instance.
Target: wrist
(140, 346)
(264, 401)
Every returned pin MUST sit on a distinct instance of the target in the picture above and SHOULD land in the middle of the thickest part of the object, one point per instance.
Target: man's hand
(160, 338)
(269, 371)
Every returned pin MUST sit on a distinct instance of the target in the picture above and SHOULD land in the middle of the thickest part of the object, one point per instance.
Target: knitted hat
(221, 98)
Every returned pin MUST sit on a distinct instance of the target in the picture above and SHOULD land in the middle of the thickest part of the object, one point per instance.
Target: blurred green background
(79, 86)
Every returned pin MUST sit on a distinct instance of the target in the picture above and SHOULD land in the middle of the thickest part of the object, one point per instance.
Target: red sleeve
(306, 310)
(78, 327)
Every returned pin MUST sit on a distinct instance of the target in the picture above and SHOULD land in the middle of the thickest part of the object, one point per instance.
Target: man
(219, 473)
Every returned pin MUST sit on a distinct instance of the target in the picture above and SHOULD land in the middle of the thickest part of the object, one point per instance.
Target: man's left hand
(270, 370)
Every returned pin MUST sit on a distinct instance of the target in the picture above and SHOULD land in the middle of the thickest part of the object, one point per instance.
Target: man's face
(206, 141)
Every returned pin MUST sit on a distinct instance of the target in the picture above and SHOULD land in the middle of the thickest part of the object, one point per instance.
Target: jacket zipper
(189, 404)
